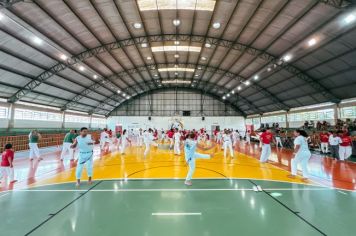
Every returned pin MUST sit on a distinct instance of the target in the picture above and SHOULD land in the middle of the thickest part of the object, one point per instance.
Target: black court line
(54, 214)
(289, 209)
(150, 168)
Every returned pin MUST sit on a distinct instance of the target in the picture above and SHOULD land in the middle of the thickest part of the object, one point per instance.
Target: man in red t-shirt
(170, 134)
(7, 168)
(266, 138)
(345, 149)
(324, 142)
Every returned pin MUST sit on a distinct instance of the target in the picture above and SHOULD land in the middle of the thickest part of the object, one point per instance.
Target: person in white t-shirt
(148, 141)
(176, 138)
(334, 142)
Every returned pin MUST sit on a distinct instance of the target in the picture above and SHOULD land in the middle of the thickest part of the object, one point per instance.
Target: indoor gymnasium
(177, 117)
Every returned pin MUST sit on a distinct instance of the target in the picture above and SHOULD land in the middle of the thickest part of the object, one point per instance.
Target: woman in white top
(302, 154)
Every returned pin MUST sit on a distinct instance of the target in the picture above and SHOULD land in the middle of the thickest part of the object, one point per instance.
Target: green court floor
(167, 207)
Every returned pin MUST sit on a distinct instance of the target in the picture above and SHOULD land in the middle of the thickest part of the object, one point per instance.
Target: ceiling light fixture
(228, 95)
(224, 97)
(311, 42)
(196, 5)
(207, 45)
(144, 45)
(203, 58)
(176, 55)
(247, 82)
(216, 25)
(239, 88)
(123, 94)
(287, 57)
(176, 69)
(176, 42)
(233, 92)
(118, 91)
(256, 77)
(137, 25)
(350, 18)
(149, 58)
(81, 68)
(176, 22)
(95, 76)
(64, 57)
(176, 48)
(1, 16)
(269, 69)
(37, 40)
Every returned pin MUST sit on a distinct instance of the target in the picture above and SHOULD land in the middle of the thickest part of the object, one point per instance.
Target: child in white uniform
(191, 155)
(124, 141)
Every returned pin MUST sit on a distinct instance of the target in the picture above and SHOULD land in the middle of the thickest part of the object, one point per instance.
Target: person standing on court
(176, 138)
(334, 141)
(7, 167)
(34, 137)
(266, 138)
(345, 149)
(148, 140)
(124, 141)
(324, 142)
(67, 142)
(227, 143)
(191, 155)
(301, 154)
(85, 145)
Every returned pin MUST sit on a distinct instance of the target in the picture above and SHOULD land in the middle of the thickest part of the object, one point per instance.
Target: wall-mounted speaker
(149, 118)
(203, 118)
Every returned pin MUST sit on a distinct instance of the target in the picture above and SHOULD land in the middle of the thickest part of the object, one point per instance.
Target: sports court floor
(136, 196)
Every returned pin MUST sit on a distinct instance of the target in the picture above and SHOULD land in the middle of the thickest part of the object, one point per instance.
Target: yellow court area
(162, 163)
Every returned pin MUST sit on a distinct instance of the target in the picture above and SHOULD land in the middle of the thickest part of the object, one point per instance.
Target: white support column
(336, 113)
(90, 120)
(63, 119)
(287, 121)
(11, 116)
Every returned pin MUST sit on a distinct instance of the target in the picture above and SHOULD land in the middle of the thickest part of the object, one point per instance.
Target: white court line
(177, 214)
(166, 190)
(342, 192)
(4, 195)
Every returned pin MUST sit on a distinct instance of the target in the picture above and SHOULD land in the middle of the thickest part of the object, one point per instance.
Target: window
(77, 119)
(273, 119)
(348, 112)
(24, 114)
(99, 121)
(327, 114)
(4, 112)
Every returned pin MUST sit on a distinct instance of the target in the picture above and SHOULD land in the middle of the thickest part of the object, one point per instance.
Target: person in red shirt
(170, 134)
(266, 138)
(345, 148)
(324, 142)
(7, 168)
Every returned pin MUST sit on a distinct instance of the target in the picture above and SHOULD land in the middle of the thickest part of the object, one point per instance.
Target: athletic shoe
(188, 183)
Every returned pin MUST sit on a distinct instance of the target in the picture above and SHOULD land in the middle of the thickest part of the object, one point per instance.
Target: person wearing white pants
(6, 167)
(124, 141)
(302, 154)
(248, 137)
(34, 138)
(345, 148)
(148, 140)
(266, 138)
(67, 142)
(227, 143)
(176, 138)
(85, 145)
(324, 142)
(191, 155)
(140, 138)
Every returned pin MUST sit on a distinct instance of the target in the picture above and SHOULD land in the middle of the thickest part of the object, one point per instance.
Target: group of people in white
(82, 145)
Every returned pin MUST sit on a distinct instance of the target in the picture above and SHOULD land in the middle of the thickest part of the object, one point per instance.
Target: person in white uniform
(104, 140)
(34, 137)
(176, 138)
(235, 137)
(67, 142)
(227, 143)
(248, 137)
(278, 139)
(302, 154)
(191, 155)
(124, 141)
(148, 141)
(140, 138)
(85, 145)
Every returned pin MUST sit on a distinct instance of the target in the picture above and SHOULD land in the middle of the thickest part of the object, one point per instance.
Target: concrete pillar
(287, 121)
(90, 120)
(63, 119)
(336, 113)
(11, 116)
